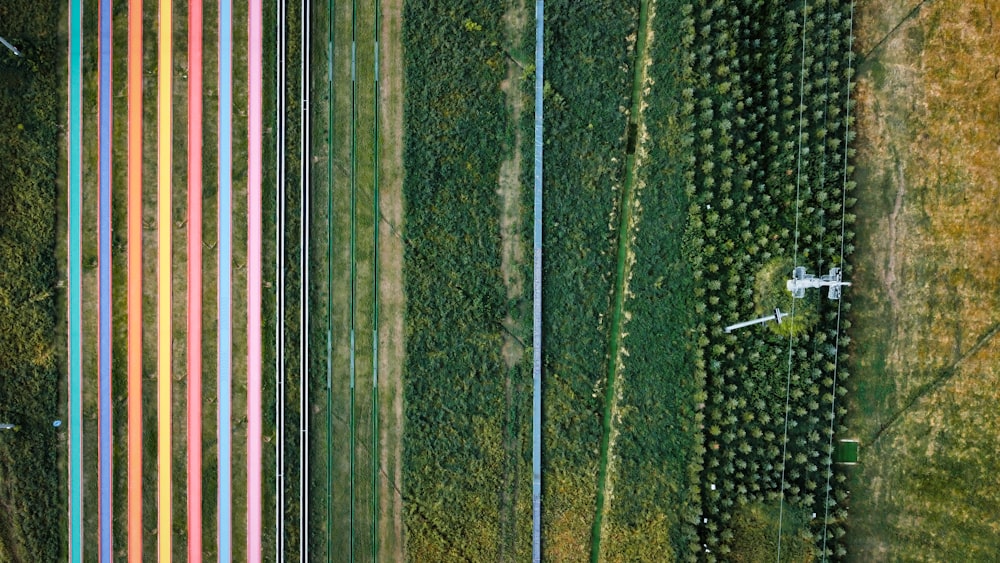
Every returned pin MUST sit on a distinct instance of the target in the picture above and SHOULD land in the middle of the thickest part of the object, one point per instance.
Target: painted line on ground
(74, 274)
(254, 235)
(354, 272)
(104, 118)
(225, 383)
(304, 187)
(194, 280)
(279, 296)
(375, 216)
(329, 281)
(134, 281)
(536, 316)
(164, 265)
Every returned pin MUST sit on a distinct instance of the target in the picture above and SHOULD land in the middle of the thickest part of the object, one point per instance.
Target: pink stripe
(194, 282)
(253, 289)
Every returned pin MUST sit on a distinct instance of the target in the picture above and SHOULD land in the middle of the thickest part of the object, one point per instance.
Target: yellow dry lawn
(925, 378)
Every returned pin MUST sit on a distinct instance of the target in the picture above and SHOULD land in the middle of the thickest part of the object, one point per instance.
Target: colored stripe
(135, 281)
(330, 99)
(254, 411)
(536, 315)
(354, 226)
(375, 219)
(304, 162)
(74, 390)
(104, 445)
(164, 247)
(194, 278)
(279, 294)
(225, 278)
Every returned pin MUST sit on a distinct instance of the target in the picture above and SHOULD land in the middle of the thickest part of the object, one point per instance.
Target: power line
(843, 227)
(795, 258)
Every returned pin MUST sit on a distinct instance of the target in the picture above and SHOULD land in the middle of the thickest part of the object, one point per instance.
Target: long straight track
(536, 317)
(254, 267)
(225, 385)
(375, 216)
(621, 286)
(304, 198)
(329, 283)
(354, 237)
(279, 294)
(194, 278)
(74, 275)
(135, 279)
(104, 280)
(164, 247)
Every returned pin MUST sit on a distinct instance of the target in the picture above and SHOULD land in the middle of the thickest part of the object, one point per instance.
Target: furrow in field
(628, 218)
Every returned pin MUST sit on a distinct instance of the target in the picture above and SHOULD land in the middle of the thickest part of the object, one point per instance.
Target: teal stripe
(75, 293)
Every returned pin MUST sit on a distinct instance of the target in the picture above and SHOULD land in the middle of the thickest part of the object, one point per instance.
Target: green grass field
(924, 336)
(32, 302)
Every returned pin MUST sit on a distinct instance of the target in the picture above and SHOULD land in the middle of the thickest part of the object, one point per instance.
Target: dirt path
(392, 300)
(512, 264)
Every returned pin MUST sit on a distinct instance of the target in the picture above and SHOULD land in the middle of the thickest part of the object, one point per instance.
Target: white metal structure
(801, 281)
(777, 316)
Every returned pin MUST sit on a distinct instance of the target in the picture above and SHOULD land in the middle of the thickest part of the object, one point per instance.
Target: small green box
(846, 452)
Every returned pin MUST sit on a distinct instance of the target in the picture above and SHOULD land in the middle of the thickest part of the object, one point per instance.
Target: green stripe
(375, 217)
(75, 294)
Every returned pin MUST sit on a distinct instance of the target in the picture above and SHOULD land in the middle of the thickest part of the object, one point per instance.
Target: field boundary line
(254, 267)
(134, 168)
(279, 294)
(225, 385)
(75, 188)
(164, 263)
(536, 299)
(104, 141)
(194, 275)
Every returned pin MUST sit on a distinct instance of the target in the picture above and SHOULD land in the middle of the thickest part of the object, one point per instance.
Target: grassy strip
(627, 222)
(587, 69)
(29, 106)
(454, 136)
(656, 447)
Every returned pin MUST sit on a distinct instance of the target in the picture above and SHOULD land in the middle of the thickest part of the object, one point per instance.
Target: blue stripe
(104, 274)
(536, 320)
(225, 279)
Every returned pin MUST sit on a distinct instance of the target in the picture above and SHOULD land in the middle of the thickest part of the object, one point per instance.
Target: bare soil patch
(392, 299)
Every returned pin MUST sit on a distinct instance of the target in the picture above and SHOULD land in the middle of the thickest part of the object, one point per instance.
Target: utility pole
(12, 48)
(801, 281)
(777, 316)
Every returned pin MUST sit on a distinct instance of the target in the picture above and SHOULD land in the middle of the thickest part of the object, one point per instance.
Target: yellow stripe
(164, 224)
